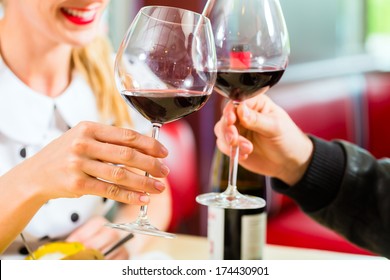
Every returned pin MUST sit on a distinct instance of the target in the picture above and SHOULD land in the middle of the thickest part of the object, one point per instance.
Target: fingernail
(144, 198)
(228, 138)
(159, 186)
(246, 111)
(245, 147)
(164, 169)
(164, 151)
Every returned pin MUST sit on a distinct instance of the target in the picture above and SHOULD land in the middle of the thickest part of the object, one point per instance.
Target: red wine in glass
(239, 85)
(164, 106)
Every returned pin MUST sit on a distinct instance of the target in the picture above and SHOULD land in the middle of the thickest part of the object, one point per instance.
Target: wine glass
(165, 69)
(252, 47)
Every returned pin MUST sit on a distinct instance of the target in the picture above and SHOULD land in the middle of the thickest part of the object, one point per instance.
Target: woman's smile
(80, 16)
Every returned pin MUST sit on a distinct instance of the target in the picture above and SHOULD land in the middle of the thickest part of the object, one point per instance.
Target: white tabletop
(186, 247)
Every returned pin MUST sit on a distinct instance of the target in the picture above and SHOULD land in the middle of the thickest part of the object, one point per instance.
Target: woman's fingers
(119, 146)
(120, 175)
(124, 137)
(109, 190)
(121, 155)
(93, 234)
(109, 153)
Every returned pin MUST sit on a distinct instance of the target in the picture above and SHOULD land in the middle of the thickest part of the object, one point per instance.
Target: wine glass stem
(233, 166)
(143, 214)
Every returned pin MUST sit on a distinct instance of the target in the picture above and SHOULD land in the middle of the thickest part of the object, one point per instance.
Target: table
(187, 247)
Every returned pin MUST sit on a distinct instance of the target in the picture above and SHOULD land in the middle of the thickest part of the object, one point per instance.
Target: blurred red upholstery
(377, 99)
(179, 139)
(294, 228)
(322, 107)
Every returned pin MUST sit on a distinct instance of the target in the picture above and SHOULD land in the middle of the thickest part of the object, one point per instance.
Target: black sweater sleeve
(321, 182)
(346, 189)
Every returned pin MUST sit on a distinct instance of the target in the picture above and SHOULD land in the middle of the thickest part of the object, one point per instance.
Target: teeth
(80, 14)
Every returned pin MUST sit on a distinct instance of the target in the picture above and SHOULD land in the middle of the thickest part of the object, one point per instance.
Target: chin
(81, 41)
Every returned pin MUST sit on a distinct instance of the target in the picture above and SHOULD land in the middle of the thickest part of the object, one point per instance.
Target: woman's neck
(43, 66)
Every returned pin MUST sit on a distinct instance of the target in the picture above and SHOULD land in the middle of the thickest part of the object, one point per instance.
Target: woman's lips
(79, 16)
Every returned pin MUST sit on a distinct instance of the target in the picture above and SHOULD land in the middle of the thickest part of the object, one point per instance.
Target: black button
(104, 199)
(74, 217)
(23, 153)
(23, 251)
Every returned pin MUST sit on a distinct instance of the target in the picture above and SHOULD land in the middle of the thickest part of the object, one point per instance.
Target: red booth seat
(179, 139)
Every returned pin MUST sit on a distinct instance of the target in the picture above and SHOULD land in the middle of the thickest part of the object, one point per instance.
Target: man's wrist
(297, 166)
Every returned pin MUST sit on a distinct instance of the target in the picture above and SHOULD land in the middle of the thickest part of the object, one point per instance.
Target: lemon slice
(57, 250)
(87, 254)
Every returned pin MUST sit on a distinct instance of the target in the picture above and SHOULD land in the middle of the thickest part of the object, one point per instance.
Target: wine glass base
(237, 201)
(147, 229)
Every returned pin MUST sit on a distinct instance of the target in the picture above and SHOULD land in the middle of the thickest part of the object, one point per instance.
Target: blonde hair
(95, 62)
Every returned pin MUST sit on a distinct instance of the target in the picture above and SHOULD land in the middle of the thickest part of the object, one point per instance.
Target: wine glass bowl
(165, 69)
(252, 47)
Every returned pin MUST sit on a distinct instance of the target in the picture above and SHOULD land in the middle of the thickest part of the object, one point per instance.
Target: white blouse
(28, 122)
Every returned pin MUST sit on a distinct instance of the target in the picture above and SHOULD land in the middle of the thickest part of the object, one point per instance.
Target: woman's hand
(93, 234)
(90, 158)
(98, 159)
(270, 142)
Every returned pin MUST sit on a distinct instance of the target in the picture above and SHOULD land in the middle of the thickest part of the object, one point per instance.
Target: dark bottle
(236, 234)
